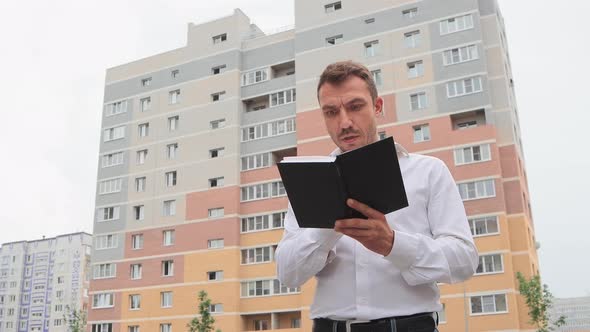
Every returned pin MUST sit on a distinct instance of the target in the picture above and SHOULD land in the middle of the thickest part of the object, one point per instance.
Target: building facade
(42, 280)
(188, 194)
(576, 311)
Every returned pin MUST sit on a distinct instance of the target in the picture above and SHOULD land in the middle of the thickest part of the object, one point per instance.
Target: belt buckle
(351, 322)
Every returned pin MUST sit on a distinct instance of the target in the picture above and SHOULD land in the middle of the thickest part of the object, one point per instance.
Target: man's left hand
(373, 233)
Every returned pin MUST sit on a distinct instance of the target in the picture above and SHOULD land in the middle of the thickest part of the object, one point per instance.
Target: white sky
(55, 53)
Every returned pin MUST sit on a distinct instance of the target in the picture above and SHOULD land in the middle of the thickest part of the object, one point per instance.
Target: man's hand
(373, 233)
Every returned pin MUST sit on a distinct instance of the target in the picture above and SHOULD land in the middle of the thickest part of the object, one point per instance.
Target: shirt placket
(363, 281)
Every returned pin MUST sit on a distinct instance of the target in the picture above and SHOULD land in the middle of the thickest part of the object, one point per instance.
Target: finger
(365, 209)
(352, 223)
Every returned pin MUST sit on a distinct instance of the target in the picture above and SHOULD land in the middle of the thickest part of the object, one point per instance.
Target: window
(104, 300)
(217, 96)
(175, 73)
(168, 237)
(334, 40)
(167, 327)
(115, 133)
(109, 213)
(169, 208)
(377, 78)
(133, 328)
(170, 179)
(464, 87)
(490, 264)
(138, 212)
(173, 123)
(488, 304)
(370, 20)
(141, 156)
(59, 307)
(216, 124)
(255, 76)
(136, 241)
(262, 190)
(104, 327)
(382, 135)
(265, 287)
(219, 38)
(218, 70)
(166, 299)
(371, 48)
(167, 268)
(418, 101)
(107, 270)
(472, 154)
(145, 103)
(415, 69)
(134, 301)
(216, 308)
(410, 13)
(109, 186)
(135, 271)
(268, 129)
(282, 97)
(412, 39)
(171, 150)
(215, 243)
(214, 153)
(331, 7)
(108, 241)
(456, 24)
(216, 182)
(174, 97)
(116, 108)
(421, 133)
(112, 159)
(146, 81)
(256, 161)
(460, 54)
(467, 124)
(484, 226)
(258, 255)
(140, 184)
(216, 212)
(477, 189)
(295, 323)
(261, 325)
(215, 275)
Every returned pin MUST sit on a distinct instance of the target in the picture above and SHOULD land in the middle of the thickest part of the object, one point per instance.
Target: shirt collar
(401, 151)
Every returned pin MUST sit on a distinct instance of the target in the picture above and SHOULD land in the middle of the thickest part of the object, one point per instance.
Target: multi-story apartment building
(576, 311)
(42, 281)
(188, 194)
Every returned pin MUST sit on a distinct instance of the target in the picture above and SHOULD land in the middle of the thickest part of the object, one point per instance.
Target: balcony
(466, 120)
(289, 321)
(281, 77)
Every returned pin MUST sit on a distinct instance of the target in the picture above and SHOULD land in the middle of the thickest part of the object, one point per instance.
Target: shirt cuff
(404, 251)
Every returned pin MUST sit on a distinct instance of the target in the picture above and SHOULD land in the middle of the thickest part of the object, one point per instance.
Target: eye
(356, 107)
(330, 112)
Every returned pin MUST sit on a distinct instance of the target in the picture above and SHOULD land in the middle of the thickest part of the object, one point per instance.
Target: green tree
(204, 321)
(539, 300)
(75, 319)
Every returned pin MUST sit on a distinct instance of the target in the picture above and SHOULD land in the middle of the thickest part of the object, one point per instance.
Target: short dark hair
(338, 72)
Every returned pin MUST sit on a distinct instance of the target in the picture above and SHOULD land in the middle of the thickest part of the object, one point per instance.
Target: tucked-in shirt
(432, 244)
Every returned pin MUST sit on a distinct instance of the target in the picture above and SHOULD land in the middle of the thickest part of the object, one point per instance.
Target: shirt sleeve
(448, 256)
(303, 252)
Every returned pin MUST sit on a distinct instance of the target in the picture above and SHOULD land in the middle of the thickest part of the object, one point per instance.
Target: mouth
(349, 139)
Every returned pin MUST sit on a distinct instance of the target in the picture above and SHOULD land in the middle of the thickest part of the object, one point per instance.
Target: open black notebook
(318, 187)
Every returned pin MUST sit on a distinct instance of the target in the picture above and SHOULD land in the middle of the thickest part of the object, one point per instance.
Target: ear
(379, 103)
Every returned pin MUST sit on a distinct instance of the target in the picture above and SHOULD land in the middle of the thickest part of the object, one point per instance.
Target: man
(381, 273)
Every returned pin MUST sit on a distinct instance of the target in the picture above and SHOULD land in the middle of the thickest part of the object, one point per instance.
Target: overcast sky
(55, 53)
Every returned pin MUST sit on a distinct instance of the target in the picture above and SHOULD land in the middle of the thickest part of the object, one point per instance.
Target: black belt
(423, 322)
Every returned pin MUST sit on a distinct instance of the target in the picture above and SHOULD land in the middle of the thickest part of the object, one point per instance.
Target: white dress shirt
(432, 244)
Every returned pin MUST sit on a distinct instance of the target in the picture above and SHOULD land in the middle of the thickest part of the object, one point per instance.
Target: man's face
(349, 113)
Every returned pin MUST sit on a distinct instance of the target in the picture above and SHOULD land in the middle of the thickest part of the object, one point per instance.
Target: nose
(345, 121)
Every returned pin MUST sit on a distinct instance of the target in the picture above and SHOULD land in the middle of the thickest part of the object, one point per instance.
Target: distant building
(40, 279)
(577, 313)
